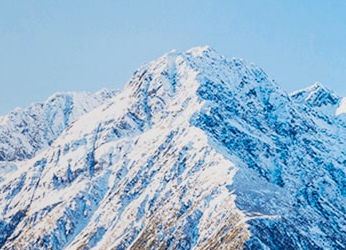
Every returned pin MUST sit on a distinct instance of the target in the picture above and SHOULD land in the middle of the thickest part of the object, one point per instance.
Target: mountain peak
(200, 50)
(318, 85)
(202, 73)
(316, 95)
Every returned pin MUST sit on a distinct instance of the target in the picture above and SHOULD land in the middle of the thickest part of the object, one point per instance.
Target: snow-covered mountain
(197, 152)
(24, 132)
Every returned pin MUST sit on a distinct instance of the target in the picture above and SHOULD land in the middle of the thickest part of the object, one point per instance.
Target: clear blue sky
(62, 45)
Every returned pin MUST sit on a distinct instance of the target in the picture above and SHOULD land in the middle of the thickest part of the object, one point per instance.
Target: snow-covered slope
(197, 152)
(24, 132)
(342, 107)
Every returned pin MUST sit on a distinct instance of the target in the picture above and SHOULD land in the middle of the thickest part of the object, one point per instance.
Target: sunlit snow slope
(197, 152)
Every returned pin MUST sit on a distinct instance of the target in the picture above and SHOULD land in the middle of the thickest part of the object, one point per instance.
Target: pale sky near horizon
(83, 45)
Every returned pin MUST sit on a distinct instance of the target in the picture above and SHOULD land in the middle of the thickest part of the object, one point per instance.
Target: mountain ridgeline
(198, 151)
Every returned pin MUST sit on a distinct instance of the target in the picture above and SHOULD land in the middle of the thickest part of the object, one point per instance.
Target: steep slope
(24, 132)
(197, 152)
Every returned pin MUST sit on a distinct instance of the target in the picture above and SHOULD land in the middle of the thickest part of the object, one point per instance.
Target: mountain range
(198, 151)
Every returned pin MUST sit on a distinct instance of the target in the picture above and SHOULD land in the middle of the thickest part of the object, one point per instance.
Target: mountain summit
(198, 151)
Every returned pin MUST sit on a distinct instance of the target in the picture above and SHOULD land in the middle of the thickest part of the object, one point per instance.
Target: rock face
(197, 152)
